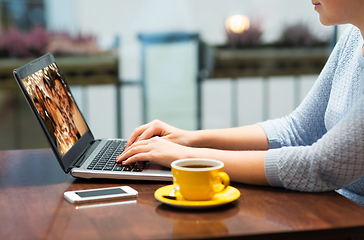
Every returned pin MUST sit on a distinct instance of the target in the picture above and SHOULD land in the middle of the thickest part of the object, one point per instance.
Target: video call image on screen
(56, 107)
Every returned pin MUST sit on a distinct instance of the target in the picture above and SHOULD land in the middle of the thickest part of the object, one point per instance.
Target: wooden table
(33, 207)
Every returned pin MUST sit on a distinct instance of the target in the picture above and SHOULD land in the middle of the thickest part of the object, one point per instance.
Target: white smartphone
(100, 194)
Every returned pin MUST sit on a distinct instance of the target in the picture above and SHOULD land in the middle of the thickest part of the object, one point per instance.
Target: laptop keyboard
(106, 159)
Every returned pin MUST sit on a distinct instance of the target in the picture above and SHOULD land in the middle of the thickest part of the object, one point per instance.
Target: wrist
(194, 138)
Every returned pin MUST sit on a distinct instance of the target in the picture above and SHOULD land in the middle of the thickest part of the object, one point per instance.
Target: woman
(318, 147)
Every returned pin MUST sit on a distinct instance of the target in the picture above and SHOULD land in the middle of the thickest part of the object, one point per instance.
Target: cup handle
(225, 181)
(176, 192)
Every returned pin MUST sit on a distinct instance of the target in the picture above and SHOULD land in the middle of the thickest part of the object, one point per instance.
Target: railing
(265, 83)
(229, 102)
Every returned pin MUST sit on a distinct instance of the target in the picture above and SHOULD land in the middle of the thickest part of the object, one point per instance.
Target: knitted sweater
(320, 145)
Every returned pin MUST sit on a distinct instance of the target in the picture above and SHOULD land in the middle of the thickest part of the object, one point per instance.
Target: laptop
(71, 139)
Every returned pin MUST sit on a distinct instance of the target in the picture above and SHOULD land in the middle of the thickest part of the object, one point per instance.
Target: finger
(151, 131)
(147, 131)
(136, 134)
(125, 154)
(132, 144)
(136, 147)
(137, 158)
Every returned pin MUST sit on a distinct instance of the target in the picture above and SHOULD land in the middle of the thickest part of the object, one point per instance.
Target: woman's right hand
(161, 129)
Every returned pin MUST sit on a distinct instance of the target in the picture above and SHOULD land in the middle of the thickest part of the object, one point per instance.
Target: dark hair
(47, 83)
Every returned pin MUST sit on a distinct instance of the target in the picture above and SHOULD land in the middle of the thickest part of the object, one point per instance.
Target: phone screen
(102, 192)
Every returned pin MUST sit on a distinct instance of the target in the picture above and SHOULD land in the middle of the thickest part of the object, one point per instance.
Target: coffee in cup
(198, 179)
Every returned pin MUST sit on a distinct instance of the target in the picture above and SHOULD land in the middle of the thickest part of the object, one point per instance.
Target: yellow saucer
(228, 195)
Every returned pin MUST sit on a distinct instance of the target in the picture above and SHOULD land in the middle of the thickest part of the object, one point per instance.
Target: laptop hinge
(83, 157)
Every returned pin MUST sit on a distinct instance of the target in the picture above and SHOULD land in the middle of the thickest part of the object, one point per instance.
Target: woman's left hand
(156, 149)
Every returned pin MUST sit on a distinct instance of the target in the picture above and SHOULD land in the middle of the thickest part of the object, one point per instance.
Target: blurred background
(196, 64)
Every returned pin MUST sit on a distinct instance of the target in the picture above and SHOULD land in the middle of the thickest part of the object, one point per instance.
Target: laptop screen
(56, 107)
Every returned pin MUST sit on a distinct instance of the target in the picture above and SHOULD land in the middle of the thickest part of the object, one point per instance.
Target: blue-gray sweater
(320, 145)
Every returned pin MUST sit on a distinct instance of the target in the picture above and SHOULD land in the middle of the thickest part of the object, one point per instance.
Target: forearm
(241, 166)
(250, 137)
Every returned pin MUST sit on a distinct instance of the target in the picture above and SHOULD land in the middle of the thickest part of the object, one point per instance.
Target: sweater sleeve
(334, 161)
(302, 127)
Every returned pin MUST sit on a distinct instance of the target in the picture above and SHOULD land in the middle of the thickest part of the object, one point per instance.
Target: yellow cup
(198, 179)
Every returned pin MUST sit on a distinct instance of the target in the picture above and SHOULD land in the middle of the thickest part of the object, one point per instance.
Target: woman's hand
(161, 129)
(156, 149)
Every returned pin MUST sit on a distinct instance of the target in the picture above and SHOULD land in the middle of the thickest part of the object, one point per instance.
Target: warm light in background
(237, 23)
